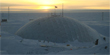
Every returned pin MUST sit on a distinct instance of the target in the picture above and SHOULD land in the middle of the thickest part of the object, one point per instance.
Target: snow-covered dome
(58, 29)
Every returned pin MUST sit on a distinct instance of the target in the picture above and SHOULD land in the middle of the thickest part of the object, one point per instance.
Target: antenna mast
(8, 12)
(55, 10)
(62, 9)
(102, 16)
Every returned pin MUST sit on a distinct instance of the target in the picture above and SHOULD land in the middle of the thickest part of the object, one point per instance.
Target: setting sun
(44, 7)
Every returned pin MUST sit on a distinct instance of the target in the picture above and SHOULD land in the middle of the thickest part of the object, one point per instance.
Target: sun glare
(44, 7)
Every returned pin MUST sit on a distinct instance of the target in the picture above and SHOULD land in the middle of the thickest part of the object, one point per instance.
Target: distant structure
(102, 16)
(5, 19)
(58, 29)
(2, 14)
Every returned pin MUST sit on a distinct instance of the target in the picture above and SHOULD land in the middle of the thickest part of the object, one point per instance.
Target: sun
(46, 7)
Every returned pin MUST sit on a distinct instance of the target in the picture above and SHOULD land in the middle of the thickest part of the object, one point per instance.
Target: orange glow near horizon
(47, 2)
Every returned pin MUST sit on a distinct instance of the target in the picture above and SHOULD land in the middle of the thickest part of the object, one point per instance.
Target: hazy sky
(20, 5)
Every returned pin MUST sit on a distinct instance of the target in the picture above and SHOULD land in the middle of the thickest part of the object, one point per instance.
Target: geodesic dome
(58, 29)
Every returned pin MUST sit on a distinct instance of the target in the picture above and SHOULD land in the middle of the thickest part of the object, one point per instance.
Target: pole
(62, 9)
(102, 15)
(8, 12)
(55, 12)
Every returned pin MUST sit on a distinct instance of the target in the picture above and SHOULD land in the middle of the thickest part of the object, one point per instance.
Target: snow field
(11, 45)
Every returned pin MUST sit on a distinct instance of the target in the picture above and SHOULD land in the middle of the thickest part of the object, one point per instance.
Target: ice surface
(11, 45)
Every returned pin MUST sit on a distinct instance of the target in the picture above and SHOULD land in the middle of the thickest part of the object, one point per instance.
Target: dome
(57, 29)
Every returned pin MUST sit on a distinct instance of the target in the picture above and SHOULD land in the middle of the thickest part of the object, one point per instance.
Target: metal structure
(62, 9)
(102, 16)
(8, 12)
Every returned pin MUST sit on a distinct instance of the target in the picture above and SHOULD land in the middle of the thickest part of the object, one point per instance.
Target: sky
(46, 5)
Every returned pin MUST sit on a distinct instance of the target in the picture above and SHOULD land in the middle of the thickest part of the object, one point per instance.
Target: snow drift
(58, 29)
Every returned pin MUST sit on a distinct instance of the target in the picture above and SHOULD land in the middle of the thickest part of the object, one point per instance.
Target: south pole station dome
(58, 29)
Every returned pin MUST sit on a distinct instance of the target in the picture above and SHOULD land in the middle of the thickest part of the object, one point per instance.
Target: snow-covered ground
(10, 43)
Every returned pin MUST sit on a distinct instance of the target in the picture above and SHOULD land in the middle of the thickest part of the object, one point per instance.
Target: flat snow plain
(11, 45)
